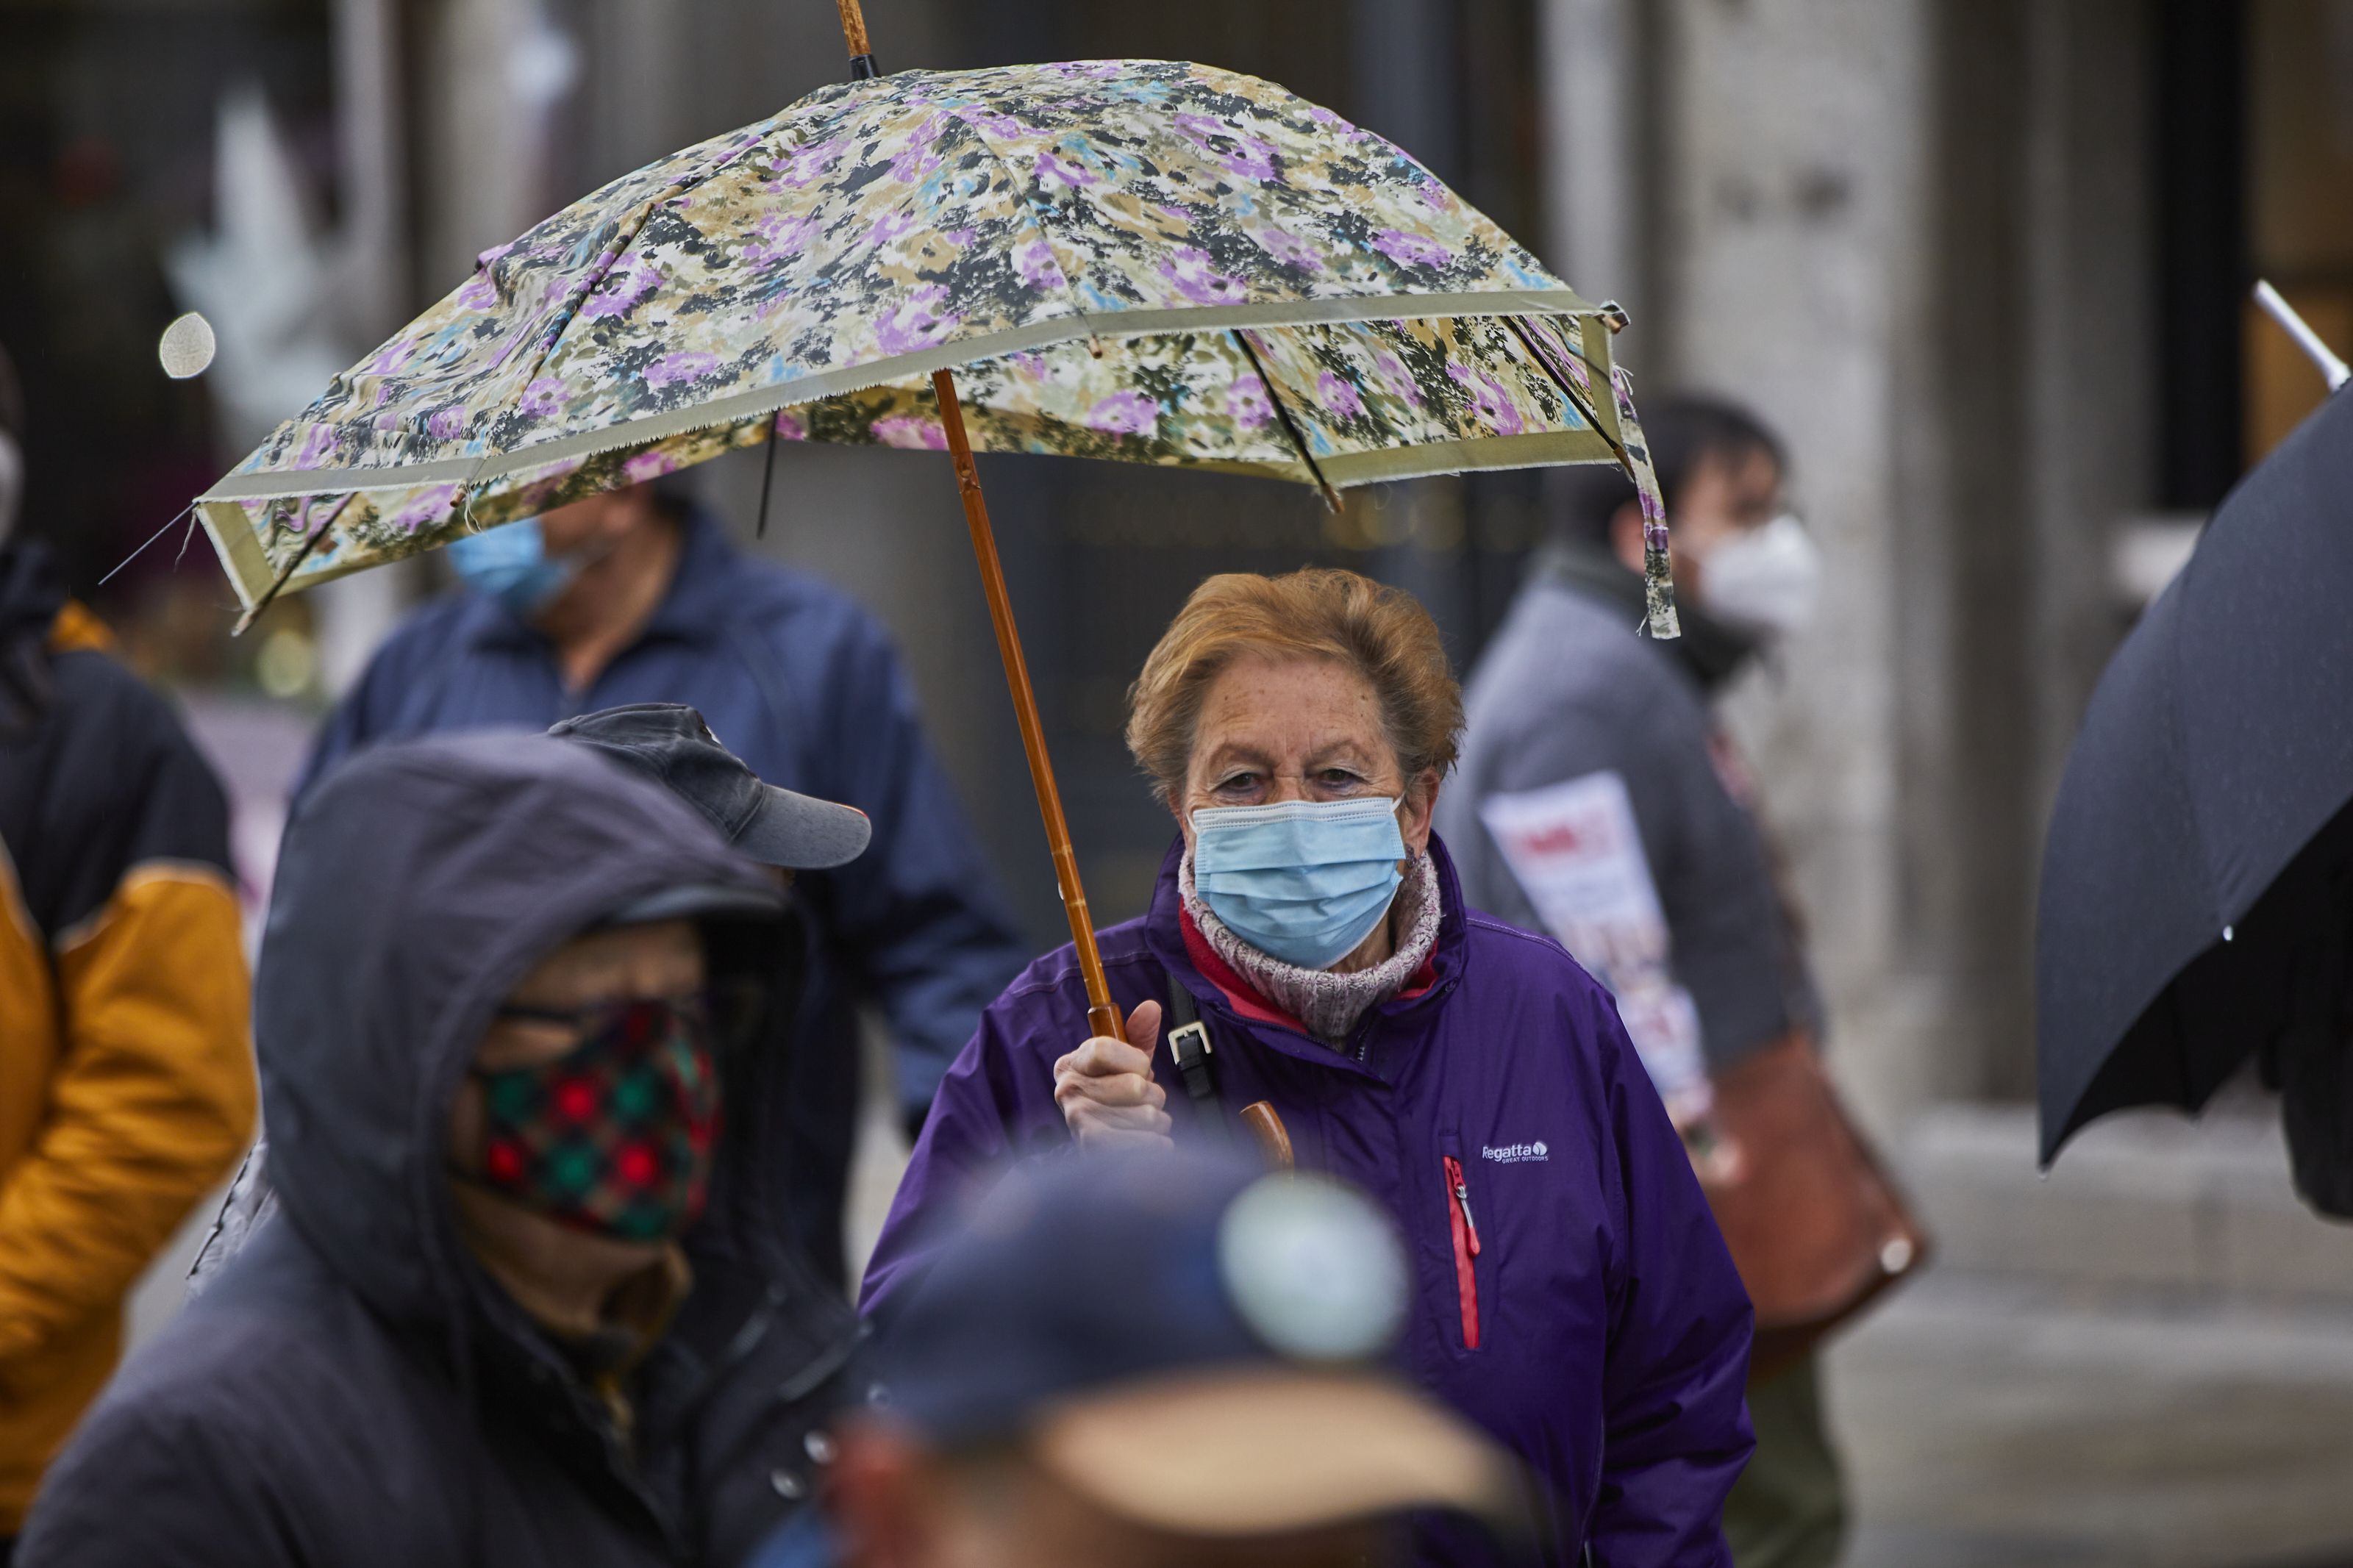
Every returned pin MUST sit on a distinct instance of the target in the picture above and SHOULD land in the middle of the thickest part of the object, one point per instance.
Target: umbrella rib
(1569, 389)
(767, 475)
(1658, 583)
(1331, 496)
(595, 277)
(309, 542)
(1094, 342)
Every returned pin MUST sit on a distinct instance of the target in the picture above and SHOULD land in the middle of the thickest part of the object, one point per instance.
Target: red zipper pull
(1463, 1197)
(1462, 1201)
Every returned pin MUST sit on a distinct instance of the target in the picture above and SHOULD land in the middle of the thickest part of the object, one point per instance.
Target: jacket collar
(1709, 651)
(691, 609)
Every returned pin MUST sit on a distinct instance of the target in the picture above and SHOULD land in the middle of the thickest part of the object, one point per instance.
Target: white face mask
(1763, 580)
(12, 484)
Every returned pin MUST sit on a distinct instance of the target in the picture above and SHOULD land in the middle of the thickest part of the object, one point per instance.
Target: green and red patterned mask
(616, 1136)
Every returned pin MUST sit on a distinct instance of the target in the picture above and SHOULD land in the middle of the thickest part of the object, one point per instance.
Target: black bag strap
(1189, 1049)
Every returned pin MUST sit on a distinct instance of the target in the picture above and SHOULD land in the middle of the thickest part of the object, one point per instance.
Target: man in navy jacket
(638, 598)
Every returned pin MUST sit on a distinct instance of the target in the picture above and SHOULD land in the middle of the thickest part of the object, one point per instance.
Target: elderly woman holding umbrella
(1569, 1290)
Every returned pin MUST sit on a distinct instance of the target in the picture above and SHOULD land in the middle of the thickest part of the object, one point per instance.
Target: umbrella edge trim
(280, 483)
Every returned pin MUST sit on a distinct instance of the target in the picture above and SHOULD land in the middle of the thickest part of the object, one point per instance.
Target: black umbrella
(2194, 880)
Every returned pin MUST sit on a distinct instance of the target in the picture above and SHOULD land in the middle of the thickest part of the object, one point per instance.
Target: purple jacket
(1583, 1309)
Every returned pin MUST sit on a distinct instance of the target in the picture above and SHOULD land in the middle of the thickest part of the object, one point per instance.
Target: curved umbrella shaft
(1103, 1017)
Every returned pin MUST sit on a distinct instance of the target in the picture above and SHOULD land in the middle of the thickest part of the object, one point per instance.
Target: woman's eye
(1339, 778)
(1236, 782)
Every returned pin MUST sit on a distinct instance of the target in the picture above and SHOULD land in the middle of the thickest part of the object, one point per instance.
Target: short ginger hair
(1381, 632)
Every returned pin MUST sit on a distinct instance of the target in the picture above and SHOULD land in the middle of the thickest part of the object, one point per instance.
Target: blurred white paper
(1577, 853)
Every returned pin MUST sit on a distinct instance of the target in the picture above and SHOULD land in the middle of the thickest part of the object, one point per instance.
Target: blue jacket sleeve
(1675, 1380)
(919, 914)
(362, 715)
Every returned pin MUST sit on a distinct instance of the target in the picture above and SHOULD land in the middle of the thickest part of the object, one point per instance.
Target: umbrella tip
(2333, 370)
(1613, 316)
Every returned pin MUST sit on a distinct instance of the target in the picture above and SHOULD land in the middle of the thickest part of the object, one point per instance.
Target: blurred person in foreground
(1601, 800)
(1138, 1359)
(668, 743)
(529, 1300)
(126, 1081)
(1568, 1289)
(637, 596)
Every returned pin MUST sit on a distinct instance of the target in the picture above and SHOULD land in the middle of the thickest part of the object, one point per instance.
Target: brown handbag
(1816, 1227)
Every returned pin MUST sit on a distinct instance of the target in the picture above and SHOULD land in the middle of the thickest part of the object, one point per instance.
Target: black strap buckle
(1189, 1043)
(1189, 1049)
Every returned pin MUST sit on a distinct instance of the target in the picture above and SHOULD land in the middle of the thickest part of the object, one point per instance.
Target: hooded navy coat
(1570, 1290)
(354, 1390)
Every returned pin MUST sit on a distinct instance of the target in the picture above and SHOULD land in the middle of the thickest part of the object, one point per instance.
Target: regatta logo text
(1515, 1153)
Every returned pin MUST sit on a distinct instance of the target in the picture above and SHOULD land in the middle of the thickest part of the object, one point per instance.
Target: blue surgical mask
(1304, 882)
(510, 564)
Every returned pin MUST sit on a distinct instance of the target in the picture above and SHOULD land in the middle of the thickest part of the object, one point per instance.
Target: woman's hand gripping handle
(1105, 1087)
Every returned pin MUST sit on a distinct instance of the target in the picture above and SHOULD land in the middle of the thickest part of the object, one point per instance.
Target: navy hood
(31, 595)
(416, 886)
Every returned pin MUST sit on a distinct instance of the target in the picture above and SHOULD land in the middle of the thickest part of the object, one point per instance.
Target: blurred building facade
(1981, 261)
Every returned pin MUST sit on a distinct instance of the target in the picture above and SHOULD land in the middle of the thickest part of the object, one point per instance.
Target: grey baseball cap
(775, 826)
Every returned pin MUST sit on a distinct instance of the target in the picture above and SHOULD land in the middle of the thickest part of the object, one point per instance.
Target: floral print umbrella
(1144, 260)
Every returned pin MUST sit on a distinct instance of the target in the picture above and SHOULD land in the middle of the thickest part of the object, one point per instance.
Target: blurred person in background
(126, 1081)
(1308, 946)
(529, 1300)
(637, 596)
(1601, 800)
(1143, 1359)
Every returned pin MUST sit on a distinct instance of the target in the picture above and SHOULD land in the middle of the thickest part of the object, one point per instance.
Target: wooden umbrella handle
(1273, 1139)
(1102, 1014)
(853, 33)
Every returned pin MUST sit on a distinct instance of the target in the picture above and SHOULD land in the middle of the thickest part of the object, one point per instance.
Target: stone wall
(1914, 234)
(1792, 276)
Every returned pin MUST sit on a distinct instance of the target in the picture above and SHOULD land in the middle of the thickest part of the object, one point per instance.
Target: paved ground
(2007, 1423)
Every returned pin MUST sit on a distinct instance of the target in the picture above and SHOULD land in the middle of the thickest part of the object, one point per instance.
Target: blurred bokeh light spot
(286, 663)
(1313, 1268)
(186, 348)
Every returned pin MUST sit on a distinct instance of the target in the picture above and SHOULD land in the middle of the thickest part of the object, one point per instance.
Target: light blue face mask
(1304, 882)
(510, 564)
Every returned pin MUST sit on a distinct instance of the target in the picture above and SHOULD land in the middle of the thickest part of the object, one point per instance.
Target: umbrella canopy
(2181, 879)
(1137, 259)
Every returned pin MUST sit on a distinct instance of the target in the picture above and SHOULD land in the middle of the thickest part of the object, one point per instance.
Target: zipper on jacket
(1466, 1249)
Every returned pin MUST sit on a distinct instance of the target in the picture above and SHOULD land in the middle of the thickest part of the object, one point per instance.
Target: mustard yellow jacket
(126, 1069)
